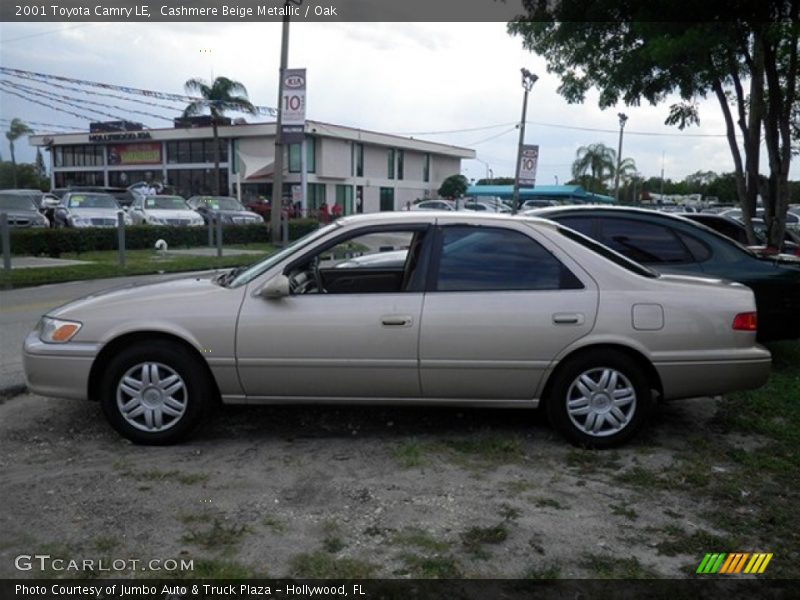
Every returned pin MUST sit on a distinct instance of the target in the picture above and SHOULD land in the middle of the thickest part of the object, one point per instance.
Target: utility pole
(622, 120)
(528, 79)
(277, 179)
(661, 193)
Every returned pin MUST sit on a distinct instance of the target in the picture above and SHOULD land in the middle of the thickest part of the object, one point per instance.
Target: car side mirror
(277, 287)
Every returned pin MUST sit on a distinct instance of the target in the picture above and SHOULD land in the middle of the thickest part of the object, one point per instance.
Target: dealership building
(361, 171)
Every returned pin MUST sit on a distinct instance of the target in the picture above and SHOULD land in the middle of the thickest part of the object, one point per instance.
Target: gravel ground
(308, 491)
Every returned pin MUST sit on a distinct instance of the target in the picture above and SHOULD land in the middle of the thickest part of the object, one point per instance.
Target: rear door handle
(568, 318)
(396, 320)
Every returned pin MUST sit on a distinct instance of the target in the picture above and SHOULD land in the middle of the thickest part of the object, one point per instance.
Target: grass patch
(431, 567)
(494, 449)
(219, 535)
(138, 262)
(158, 475)
(622, 511)
(274, 524)
(420, 539)
(410, 454)
(475, 538)
(612, 567)
(321, 565)
(552, 571)
(550, 503)
(588, 461)
(217, 569)
(679, 542)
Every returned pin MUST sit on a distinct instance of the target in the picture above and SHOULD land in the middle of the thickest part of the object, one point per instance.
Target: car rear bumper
(59, 370)
(744, 370)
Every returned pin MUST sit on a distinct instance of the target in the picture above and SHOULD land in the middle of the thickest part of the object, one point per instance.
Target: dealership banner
(528, 161)
(134, 154)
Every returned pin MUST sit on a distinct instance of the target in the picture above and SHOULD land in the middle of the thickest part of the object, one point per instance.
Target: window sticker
(150, 202)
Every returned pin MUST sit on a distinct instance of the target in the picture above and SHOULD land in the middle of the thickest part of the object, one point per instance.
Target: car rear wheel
(155, 393)
(600, 399)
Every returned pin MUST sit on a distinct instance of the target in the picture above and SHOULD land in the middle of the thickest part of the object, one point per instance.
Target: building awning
(256, 167)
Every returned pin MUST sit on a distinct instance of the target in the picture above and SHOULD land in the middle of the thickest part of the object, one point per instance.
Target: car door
(359, 339)
(500, 305)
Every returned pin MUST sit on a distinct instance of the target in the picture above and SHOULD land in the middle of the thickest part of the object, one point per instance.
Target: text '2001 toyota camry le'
(481, 310)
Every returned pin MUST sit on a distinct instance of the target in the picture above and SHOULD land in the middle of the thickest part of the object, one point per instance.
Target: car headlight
(256, 219)
(197, 221)
(79, 222)
(57, 331)
(156, 221)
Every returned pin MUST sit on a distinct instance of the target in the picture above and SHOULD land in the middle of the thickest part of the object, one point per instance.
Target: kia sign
(293, 102)
(529, 158)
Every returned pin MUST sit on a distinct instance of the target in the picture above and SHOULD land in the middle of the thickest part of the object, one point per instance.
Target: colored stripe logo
(734, 563)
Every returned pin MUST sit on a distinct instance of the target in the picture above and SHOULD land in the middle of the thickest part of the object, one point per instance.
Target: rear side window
(644, 242)
(581, 224)
(700, 252)
(487, 258)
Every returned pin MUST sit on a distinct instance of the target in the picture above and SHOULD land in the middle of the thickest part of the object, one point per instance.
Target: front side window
(495, 259)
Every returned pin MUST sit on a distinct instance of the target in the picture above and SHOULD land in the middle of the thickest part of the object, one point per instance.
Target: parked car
(121, 195)
(792, 219)
(537, 203)
(434, 205)
(674, 244)
(88, 209)
(736, 231)
(480, 206)
(486, 310)
(229, 210)
(21, 209)
(164, 210)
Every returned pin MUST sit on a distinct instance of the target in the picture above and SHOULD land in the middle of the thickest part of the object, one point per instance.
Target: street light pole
(623, 118)
(528, 79)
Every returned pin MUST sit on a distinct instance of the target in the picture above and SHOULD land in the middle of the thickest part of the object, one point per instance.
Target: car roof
(431, 216)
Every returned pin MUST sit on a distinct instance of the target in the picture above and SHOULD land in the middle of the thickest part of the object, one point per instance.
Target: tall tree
(598, 160)
(454, 187)
(744, 53)
(220, 96)
(15, 131)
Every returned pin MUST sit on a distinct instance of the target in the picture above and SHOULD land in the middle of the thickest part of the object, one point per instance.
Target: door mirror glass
(277, 287)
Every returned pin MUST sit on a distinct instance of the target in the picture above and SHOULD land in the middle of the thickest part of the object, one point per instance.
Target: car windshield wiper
(225, 278)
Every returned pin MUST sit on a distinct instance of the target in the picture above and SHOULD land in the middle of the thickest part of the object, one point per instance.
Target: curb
(10, 391)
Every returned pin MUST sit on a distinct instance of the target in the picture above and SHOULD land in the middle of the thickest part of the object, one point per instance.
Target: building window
(195, 151)
(63, 179)
(79, 156)
(359, 159)
(294, 157)
(401, 155)
(390, 163)
(316, 195)
(387, 199)
(192, 182)
(126, 178)
(426, 168)
(344, 198)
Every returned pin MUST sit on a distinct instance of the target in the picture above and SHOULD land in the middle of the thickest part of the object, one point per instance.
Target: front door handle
(396, 320)
(568, 318)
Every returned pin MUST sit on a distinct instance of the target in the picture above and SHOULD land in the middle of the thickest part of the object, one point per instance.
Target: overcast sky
(408, 78)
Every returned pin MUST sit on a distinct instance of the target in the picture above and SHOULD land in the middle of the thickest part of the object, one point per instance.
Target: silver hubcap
(151, 397)
(601, 402)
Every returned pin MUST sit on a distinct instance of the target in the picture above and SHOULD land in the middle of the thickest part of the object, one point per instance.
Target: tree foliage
(453, 187)
(743, 53)
(16, 130)
(221, 96)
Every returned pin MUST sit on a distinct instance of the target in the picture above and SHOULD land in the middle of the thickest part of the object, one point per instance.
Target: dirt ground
(327, 492)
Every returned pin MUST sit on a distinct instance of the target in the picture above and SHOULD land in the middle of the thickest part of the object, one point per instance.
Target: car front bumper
(58, 370)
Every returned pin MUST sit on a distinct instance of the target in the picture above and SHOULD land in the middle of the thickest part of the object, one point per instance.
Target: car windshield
(92, 201)
(16, 202)
(165, 203)
(222, 203)
(250, 273)
(607, 253)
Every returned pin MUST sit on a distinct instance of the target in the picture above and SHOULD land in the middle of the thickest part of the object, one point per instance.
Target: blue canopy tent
(568, 194)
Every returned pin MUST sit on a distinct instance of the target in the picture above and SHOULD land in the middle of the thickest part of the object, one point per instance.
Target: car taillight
(745, 322)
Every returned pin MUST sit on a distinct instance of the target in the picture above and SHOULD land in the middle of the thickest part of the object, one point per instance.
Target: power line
(455, 130)
(25, 37)
(507, 131)
(29, 99)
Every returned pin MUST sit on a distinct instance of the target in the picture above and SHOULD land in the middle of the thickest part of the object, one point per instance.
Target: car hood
(95, 213)
(236, 213)
(171, 213)
(27, 214)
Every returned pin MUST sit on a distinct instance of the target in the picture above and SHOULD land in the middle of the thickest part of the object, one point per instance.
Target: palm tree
(15, 131)
(222, 95)
(598, 159)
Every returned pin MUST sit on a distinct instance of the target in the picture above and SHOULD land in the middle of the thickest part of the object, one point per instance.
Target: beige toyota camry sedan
(408, 308)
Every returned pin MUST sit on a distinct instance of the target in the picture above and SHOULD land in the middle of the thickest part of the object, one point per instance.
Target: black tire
(605, 406)
(137, 362)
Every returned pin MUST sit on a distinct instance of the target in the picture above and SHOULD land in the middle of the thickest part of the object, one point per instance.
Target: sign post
(528, 161)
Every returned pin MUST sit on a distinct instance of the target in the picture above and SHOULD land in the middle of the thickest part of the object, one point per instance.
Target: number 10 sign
(529, 157)
(293, 102)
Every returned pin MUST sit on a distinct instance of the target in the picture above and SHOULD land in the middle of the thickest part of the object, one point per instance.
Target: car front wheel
(600, 399)
(155, 393)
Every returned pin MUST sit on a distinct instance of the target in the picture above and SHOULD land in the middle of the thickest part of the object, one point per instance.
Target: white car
(433, 205)
(164, 210)
(89, 209)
